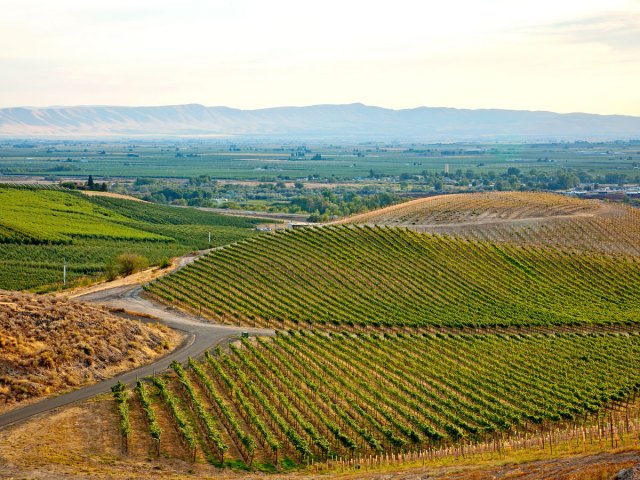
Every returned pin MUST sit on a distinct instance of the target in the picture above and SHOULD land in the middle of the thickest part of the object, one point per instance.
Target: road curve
(199, 336)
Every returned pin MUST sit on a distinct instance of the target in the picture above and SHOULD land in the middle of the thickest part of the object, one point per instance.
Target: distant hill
(347, 122)
(521, 218)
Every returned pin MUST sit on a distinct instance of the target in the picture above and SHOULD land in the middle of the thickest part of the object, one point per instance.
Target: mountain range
(329, 122)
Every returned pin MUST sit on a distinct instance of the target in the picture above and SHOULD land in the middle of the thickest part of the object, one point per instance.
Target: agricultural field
(392, 277)
(254, 160)
(399, 347)
(394, 347)
(313, 397)
(48, 345)
(521, 218)
(40, 228)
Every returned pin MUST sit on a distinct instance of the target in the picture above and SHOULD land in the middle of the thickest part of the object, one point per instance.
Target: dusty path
(268, 216)
(199, 336)
(134, 279)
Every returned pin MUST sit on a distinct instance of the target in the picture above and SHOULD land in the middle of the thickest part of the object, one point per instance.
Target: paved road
(199, 337)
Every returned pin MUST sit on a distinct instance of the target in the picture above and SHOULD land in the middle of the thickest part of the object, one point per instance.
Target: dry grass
(523, 218)
(481, 208)
(97, 193)
(138, 278)
(48, 345)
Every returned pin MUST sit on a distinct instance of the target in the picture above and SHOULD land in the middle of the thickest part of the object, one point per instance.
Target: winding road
(199, 336)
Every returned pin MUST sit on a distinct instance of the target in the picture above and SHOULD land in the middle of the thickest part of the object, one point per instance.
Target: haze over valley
(353, 122)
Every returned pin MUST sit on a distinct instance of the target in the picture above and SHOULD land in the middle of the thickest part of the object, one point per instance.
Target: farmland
(393, 346)
(520, 218)
(370, 276)
(255, 160)
(396, 344)
(40, 228)
(311, 396)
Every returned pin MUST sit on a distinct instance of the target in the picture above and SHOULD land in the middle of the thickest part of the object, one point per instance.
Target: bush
(164, 263)
(128, 263)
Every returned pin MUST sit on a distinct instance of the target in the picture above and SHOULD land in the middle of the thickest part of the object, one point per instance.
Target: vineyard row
(317, 397)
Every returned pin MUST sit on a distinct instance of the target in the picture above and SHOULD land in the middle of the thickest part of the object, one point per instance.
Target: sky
(560, 55)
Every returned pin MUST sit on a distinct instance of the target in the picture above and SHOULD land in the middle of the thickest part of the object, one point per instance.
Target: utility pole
(64, 272)
(209, 238)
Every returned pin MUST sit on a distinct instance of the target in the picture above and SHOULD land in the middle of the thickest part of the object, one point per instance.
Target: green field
(40, 228)
(394, 342)
(310, 396)
(221, 159)
(370, 276)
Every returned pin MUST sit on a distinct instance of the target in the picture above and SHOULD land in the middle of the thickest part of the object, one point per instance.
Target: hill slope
(41, 228)
(48, 345)
(522, 218)
(390, 276)
(355, 121)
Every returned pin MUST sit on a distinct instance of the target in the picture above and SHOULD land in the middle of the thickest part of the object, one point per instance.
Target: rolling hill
(386, 277)
(521, 218)
(40, 228)
(393, 348)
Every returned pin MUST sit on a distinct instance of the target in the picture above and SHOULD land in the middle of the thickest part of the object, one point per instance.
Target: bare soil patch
(97, 193)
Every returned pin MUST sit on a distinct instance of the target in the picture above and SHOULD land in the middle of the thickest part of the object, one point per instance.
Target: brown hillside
(49, 344)
(531, 218)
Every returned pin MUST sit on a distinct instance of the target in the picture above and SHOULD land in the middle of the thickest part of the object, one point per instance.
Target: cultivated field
(394, 348)
(522, 218)
(313, 396)
(48, 345)
(408, 346)
(40, 228)
(318, 160)
(391, 277)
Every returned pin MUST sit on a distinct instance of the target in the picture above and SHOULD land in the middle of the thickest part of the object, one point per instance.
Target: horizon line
(51, 107)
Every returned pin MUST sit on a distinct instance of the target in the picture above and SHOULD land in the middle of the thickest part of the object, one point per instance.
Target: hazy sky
(560, 55)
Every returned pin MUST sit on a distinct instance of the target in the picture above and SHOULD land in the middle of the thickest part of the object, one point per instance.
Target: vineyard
(308, 396)
(39, 228)
(522, 218)
(372, 277)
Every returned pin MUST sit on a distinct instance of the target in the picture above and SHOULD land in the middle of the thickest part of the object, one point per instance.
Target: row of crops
(521, 218)
(44, 216)
(309, 396)
(40, 228)
(380, 276)
(610, 235)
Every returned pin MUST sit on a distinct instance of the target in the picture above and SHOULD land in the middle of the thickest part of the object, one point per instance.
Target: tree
(90, 183)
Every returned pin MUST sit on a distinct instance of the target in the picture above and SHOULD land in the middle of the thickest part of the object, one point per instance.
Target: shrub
(128, 263)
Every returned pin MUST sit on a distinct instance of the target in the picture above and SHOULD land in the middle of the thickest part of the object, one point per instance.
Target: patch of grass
(236, 464)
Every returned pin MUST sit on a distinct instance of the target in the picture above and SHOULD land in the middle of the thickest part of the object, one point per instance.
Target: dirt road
(199, 336)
